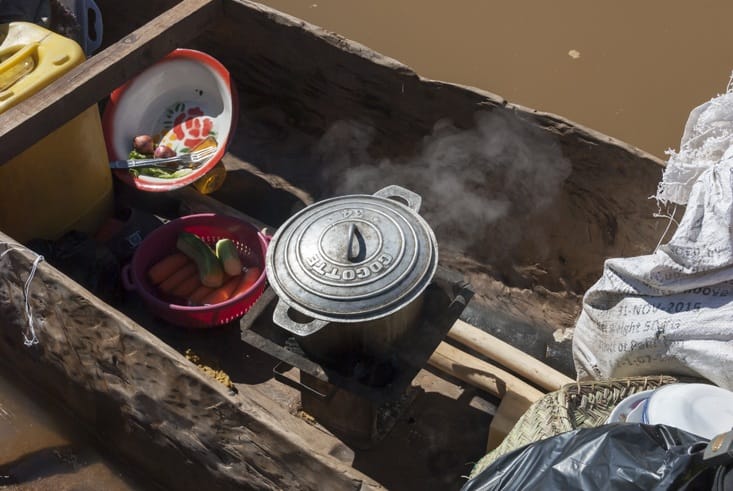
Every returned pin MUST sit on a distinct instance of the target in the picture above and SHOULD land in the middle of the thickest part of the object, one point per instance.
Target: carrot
(177, 278)
(224, 292)
(248, 279)
(197, 297)
(187, 286)
(164, 268)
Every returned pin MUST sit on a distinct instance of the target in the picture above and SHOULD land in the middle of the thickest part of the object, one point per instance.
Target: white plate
(702, 409)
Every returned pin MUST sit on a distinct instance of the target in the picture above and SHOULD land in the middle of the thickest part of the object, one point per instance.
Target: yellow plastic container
(63, 182)
(212, 180)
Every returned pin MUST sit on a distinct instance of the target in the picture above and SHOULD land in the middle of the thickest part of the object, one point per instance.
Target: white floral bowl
(179, 101)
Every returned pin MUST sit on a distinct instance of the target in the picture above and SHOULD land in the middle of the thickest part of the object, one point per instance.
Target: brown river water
(630, 69)
(44, 449)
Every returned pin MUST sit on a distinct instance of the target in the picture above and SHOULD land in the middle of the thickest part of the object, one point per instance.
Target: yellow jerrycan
(62, 182)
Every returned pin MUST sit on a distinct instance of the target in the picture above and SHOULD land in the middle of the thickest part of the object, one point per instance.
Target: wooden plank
(480, 374)
(508, 356)
(195, 202)
(511, 408)
(23, 125)
(234, 163)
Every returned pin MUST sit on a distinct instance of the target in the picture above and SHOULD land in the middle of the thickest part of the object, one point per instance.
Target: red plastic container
(250, 242)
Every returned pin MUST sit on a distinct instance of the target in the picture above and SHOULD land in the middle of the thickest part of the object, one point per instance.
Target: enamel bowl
(180, 100)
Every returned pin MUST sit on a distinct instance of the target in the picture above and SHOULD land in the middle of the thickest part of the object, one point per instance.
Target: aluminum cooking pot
(350, 272)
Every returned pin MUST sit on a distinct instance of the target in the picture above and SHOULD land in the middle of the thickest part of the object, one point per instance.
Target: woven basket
(578, 405)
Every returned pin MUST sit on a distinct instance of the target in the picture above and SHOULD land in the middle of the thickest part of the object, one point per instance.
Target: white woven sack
(671, 312)
(706, 140)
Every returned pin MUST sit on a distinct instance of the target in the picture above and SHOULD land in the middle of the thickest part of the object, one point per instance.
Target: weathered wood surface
(149, 404)
(511, 408)
(481, 374)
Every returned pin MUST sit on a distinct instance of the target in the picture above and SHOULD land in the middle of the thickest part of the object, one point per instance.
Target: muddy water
(40, 449)
(630, 69)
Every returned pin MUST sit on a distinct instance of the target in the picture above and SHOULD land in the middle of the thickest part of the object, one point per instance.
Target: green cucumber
(210, 269)
(228, 254)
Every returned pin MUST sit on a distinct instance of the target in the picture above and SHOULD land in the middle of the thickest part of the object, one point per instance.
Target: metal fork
(182, 160)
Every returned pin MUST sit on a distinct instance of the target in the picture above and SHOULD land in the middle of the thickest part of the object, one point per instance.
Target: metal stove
(361, 399)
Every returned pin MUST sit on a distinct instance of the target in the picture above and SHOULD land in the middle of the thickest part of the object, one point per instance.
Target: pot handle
(281, 318)
(413, 200)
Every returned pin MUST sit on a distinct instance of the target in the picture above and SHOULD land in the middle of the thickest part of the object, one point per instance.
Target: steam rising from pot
(479, 185)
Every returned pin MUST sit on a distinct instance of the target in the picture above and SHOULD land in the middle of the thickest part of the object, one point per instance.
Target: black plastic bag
(621, 456)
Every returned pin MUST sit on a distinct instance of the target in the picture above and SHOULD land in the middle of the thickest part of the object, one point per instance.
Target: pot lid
(353, 258)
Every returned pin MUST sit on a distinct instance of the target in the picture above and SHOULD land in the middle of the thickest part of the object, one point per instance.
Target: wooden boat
(526, 206)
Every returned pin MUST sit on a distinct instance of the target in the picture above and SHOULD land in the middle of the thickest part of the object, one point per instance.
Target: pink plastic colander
(250, 242)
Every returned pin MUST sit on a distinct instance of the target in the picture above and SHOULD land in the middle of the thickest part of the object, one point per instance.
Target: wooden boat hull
(297, 81)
